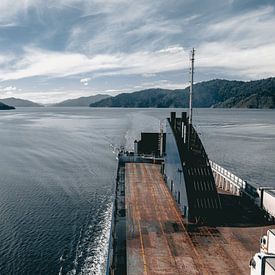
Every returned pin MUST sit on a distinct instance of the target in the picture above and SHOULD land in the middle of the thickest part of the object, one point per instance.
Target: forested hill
(6, 107)
(81, 101)
(214, 93)
(18, 102)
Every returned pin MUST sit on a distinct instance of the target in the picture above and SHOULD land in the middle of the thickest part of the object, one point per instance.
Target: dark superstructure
(188, 172)
(150, 144)
(186, 168)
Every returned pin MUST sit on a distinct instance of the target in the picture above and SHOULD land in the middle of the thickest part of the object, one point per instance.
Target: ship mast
(191, 84)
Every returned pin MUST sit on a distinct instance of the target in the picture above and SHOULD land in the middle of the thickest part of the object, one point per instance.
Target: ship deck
(159, 242)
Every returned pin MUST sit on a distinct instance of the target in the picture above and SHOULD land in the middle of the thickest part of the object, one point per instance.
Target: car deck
(158, 241)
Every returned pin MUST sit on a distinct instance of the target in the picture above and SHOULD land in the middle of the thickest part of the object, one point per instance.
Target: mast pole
(191, 85)
(161, 140)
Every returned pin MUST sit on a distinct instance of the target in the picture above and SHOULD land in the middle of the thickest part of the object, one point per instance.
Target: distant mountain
(144, 98)
(6, 107)
(216, 93)
(81, 101)
(17, 102)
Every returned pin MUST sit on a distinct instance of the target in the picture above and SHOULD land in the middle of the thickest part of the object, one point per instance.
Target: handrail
(235, 180)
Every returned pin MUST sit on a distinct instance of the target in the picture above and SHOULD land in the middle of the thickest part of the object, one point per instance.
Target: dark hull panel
(195, 186)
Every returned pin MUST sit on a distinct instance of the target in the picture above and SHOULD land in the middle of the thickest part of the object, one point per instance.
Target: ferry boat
(177, 212)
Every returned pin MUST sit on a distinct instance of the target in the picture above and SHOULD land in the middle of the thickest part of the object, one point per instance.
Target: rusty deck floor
(158, 241)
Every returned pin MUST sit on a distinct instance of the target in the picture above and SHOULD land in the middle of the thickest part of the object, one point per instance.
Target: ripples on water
(57, 173)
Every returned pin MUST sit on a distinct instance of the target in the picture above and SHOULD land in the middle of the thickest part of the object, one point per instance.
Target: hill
(145, 98)
(17, 102)
(81, 101)
(216, 93)
(6, 107)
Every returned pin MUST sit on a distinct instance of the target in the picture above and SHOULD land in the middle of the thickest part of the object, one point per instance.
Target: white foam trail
(98, 249)
(61, 267)
(97, 264)
(78, 254)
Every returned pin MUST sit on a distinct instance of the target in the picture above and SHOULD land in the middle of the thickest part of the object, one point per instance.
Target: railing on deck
(226, 180)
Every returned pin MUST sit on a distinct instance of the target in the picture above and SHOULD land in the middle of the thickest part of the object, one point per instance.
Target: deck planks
(159, 242)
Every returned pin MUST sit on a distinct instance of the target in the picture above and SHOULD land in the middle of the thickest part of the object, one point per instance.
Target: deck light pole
(192, 58)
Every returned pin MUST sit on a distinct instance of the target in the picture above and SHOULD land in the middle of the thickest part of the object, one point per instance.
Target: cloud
(122, 44)
(143, 26)
(85, 81)
(10, 9)
(9, 89)
(243, 45)
(148, 75)
(251, 63)
(248, 30)
(6, 59)
(37, 62)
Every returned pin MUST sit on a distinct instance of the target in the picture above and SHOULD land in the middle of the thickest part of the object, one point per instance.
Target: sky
(52, 50)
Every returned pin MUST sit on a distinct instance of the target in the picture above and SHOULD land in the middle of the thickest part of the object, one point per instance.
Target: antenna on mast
(192, 59)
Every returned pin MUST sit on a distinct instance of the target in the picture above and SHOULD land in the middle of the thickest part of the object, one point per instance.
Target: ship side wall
(174, 171)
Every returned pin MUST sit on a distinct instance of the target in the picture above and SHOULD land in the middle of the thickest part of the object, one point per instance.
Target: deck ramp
(157, 242)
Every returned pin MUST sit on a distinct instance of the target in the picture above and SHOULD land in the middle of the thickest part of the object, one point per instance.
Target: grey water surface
(57, 171)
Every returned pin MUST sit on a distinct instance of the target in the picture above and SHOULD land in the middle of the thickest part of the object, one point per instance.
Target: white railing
(230, 181)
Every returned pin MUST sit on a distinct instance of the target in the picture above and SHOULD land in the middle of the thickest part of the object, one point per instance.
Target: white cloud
(127, 38)
(37, 62)
(247, 30)
(148, 75)
(171, 50)
(118, 25)
(159, 27)
(252, 63)
(244, 45)
(10, 9)
(85, 81)
(9, 89)
(5, 59)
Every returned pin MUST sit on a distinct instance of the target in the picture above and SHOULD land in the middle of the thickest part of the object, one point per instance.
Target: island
(18, 102)
(6, 107)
